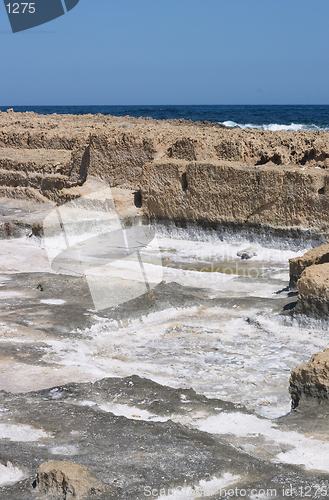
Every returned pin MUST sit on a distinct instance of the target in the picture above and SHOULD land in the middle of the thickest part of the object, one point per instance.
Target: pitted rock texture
(179, 139)
(311, 380)
(313, 291)
(228, 192)
(57, 480)
(284, 174)
(318, 255)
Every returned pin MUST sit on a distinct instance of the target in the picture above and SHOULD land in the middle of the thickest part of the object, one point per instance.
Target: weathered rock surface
(39, 174)
(249, 177)
(139, 456)
(24, 217)
(311, 380)
(231, 193)
(126, 138)
(318, 255)
(66, 480)
(313, 291)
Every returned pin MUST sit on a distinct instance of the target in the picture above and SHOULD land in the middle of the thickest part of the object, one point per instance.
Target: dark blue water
(273, 117)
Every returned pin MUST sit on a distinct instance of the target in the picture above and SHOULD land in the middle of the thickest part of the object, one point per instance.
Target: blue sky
(171, 52)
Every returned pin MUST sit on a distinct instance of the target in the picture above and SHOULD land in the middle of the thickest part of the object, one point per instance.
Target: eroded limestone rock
(66, 480)
(269, 181)
(313, 291)
(223, 192)
(318, 255)
(311, 380)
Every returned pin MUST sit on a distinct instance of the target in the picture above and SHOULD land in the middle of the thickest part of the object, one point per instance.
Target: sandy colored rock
(311, 380)
(66, 480)
(318, 255)
(313, 291)
(122, 138)
(40, 174)
(183, 170)
(223, 192)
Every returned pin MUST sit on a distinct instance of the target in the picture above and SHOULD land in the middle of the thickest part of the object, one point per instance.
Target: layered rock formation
(183, 170)
(229, 192)
(137, 140)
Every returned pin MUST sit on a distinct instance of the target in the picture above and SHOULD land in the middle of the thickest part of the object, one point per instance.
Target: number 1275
(17, 8)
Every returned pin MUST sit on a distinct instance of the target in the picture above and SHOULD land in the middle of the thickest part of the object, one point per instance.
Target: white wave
(274, 127)
(230, 124)
(241, 240)
(214, 250)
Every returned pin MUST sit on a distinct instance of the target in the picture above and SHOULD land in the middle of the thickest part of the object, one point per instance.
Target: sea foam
(274, 127)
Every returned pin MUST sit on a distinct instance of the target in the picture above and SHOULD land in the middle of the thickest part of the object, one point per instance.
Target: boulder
(247, 253)
(318, 255)
(66, 480)
(313, 291)
(311, 380)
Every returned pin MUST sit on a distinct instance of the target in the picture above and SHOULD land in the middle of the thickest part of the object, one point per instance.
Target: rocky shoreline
(172, 163)
(310, 274)
(272, 183)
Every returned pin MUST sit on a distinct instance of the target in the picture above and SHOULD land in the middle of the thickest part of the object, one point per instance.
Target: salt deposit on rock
(10, 474)
(178, 384)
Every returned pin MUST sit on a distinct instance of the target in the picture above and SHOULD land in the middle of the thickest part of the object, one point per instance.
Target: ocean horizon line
(155, 105)
(292, 117)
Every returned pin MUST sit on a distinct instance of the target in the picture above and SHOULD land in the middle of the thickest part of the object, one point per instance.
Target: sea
(266, 117)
